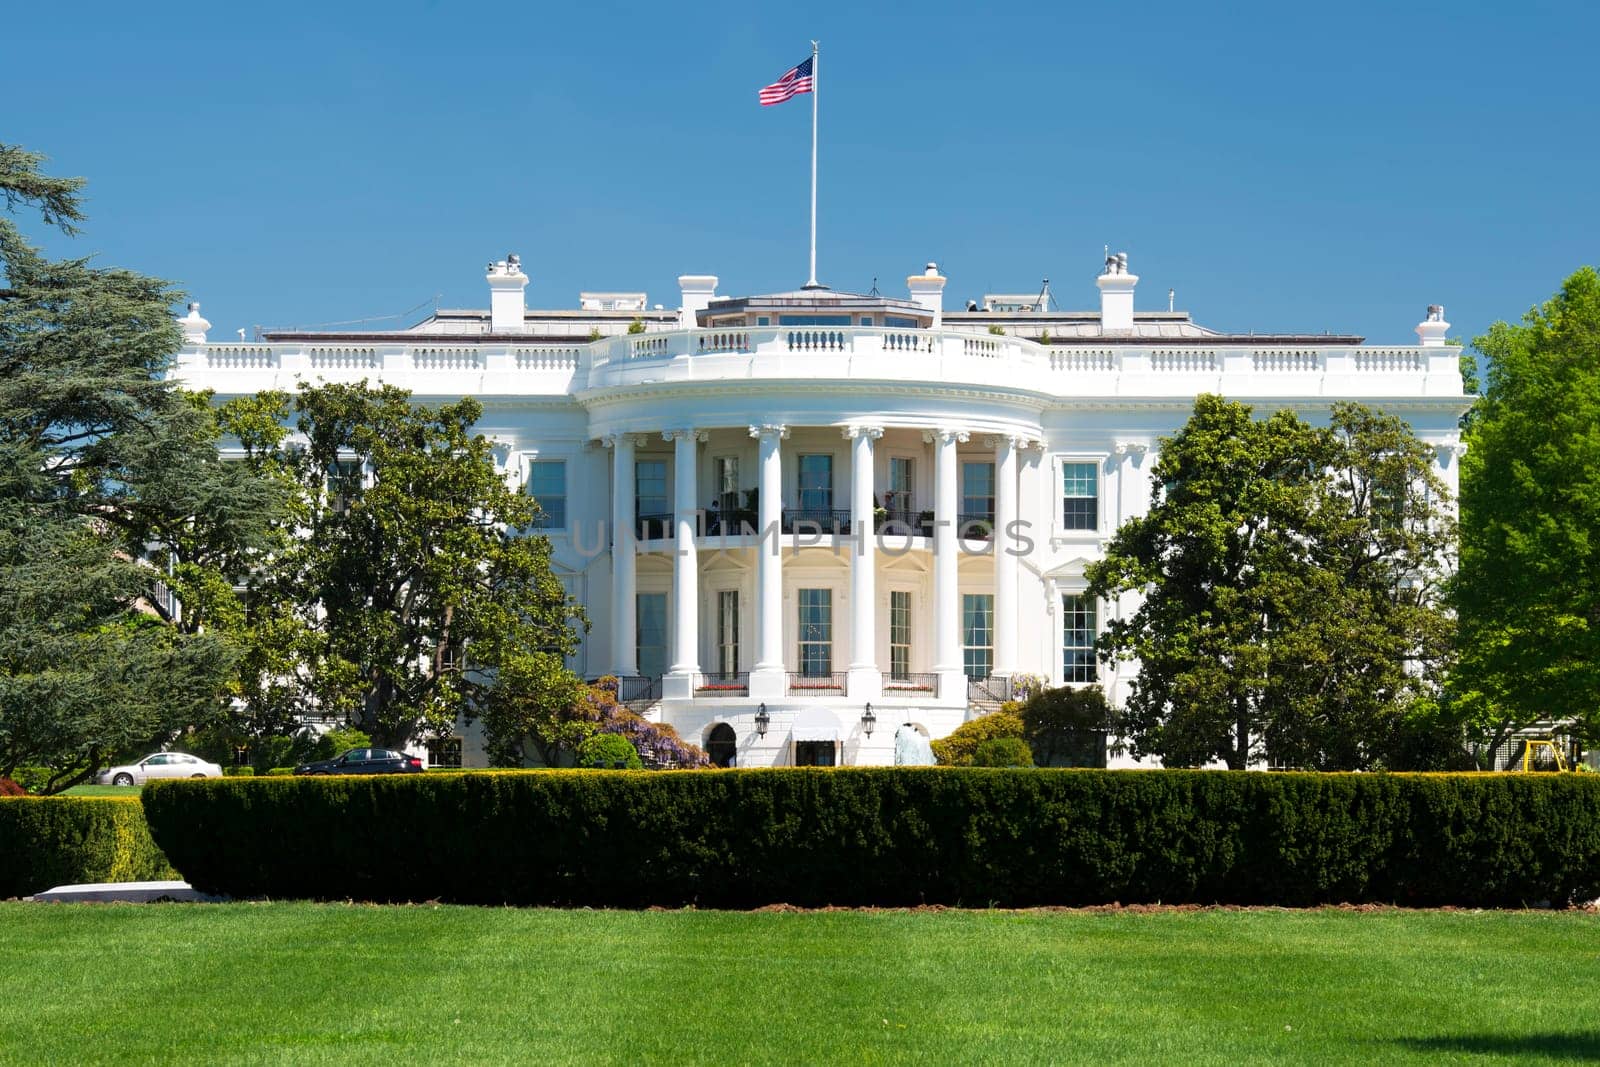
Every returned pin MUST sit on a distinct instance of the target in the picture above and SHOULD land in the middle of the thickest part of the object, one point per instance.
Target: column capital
(611, 440)
(1132, 448)
(870, 432)
(767, 429)
(944, 435)
(1450, 450)
(691, 434)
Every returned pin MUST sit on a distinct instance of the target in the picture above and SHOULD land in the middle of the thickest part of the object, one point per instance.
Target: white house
(801, 521)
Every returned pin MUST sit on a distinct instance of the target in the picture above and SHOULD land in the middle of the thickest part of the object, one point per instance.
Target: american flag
(794, 82)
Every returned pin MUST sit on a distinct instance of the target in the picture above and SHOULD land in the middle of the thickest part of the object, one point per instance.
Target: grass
(102, 791)
(309, 983)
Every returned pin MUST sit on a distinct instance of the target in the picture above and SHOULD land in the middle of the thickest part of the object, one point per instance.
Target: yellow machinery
(1530, 763)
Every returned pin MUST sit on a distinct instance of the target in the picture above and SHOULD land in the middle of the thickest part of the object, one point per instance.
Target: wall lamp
(868, 720)
(763, 720)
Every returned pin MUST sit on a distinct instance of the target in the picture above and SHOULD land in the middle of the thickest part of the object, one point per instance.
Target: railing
(803, 684)
(736, 684)
(975, 525)
(905, 522)
(654, 526)
(996, 689)
(816, 520)
(907, 684)
(638, 689)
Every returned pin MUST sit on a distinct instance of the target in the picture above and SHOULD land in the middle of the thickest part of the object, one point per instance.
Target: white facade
(707, 481)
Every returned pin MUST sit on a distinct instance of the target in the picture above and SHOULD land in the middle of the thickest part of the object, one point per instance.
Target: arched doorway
(722, 745)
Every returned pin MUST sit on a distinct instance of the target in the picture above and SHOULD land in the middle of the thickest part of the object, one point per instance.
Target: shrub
(238, 772)
(32, 779)
(8, 788)
(1003, 752)
(956, 750)
(1067, 727)
(609, 750)
(335, 742)
(890, 837)
(278, 772)
(51, 841)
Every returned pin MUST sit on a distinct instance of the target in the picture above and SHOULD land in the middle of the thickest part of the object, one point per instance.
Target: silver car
(159, 765)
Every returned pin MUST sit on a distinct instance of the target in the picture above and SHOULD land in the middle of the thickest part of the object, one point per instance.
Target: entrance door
(722, 746)
(814, 754)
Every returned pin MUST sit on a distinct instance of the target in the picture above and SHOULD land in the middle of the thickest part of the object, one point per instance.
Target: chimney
(1116, 295)
(506, 283)
(1431, 330)
(927, 289)
(194, 327)
(698, 292)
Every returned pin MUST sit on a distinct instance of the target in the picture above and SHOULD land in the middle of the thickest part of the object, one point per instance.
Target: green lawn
(102, 791)
(306, 983)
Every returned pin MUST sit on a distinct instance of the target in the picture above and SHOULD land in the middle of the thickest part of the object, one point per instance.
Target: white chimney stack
(1116, 294)
(927, 289)
(194, 327)
(1431, 330)
(698, 292)
(506, 285)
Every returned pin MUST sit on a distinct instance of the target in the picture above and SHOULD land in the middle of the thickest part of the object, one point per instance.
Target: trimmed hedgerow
(51, 841)
(889, 836)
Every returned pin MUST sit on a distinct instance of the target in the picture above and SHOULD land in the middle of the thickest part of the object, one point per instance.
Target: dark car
(365, 761)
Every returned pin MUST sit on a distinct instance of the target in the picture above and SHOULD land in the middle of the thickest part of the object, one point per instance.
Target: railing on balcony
(723, 685)
(908, 684)
(802, 683)
(816, 520)
(975, 525)
(638, 689)
(653, 527)
(905, 522)
(995, 689)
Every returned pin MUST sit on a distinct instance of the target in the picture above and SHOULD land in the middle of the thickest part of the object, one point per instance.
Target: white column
(1005, 559)
(685, 669)
(767, 678)
(866, 680)
(624, 605)
(946, 592)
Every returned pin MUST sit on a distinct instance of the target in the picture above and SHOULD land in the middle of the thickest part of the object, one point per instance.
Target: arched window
(722, 745)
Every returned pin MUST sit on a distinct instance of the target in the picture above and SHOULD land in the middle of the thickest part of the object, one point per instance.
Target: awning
(815, 724)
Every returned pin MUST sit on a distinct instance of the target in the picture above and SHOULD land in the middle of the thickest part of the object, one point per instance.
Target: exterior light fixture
(763, 720)
(868, 720)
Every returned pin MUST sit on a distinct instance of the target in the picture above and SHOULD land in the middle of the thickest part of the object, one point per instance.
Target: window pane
(728, 631)
(1077, 639)
(651, 622)
(816, 483)
(650, 487)
(977, 634)
(816, 631)
(899, 633)
(547, 484)
(1080, 492)
(977, 491)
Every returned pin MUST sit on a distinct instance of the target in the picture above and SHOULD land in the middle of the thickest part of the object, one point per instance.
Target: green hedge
(51, 841)
(890, 836)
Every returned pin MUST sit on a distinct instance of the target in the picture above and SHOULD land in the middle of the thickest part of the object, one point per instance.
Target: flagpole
(812, 283)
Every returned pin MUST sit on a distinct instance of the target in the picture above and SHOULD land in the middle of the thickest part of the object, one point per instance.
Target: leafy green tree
(1528, 591)
(1067, 727)
(609, 751)
(90, 433)
(1289, 580)
(416, 583)
(1003, 752)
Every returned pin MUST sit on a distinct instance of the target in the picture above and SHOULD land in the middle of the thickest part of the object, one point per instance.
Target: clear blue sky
(1283, 166)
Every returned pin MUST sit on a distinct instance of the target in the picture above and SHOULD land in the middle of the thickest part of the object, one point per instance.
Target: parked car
(159, 765)
(365, 761)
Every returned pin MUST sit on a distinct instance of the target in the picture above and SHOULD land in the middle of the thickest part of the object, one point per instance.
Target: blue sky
(1284, 167)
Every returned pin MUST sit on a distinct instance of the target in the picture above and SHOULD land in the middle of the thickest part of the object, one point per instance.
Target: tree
(89, 430)
(416, 583)
(1289, 579)
(1528, 591)
(1067, 727)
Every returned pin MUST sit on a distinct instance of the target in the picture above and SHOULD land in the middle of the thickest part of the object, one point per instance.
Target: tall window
(1080, 496)
(547, 484)
(728, 631)
(899, 633)
(725, 478)
(1077, 639)
(444, 752)
(651, 627)
(816, 483)
(977, 492)
(816, 631)
(897, 498)
(344, 483)
(650, 497)
(977, 634)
